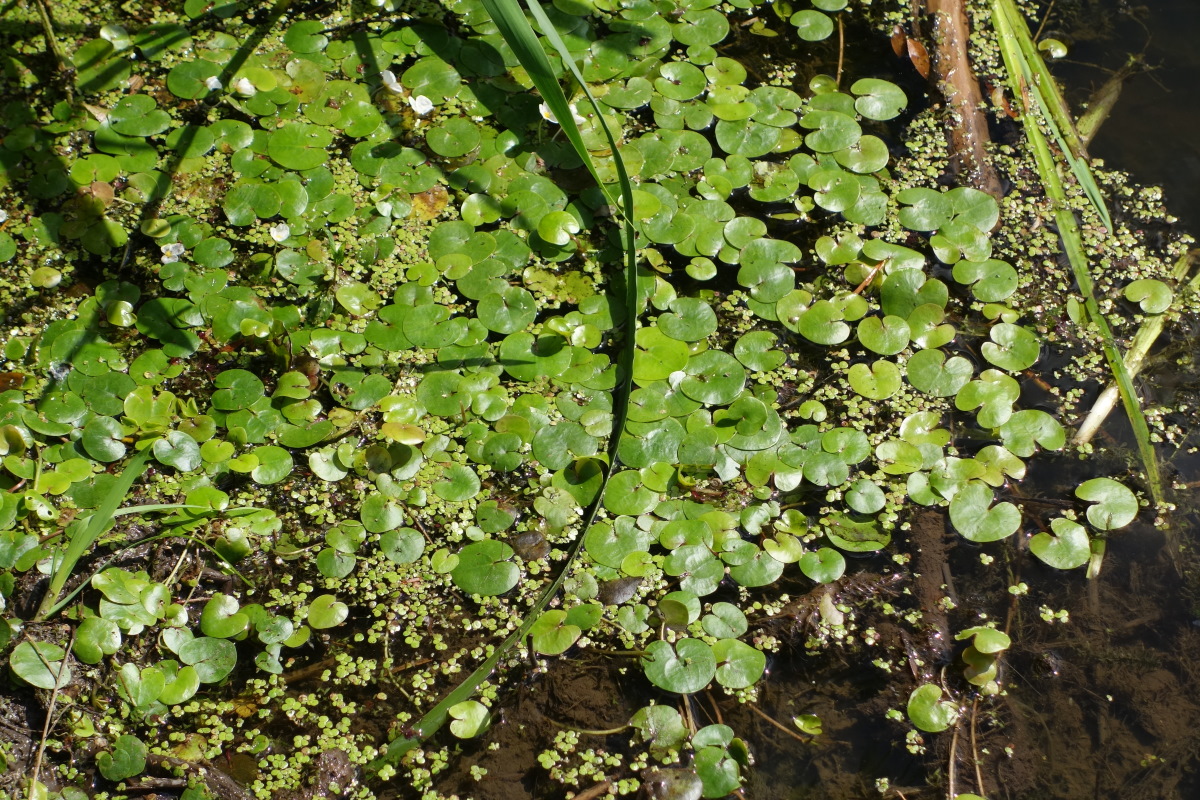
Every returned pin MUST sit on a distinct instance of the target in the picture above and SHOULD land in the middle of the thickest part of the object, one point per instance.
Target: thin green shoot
(520, 36)
(82, 534)
(1022, 82)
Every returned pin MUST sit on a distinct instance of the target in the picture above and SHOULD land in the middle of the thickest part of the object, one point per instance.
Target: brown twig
(968, 130)
(841, 49)
(777, 724)
(37, 761)
(598, 790)
(975, 751)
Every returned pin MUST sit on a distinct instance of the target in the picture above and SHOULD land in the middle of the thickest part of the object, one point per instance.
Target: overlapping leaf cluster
(369, 269)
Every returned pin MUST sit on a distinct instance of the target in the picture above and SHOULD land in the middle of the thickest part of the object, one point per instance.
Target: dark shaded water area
(1154, 130)
(1106, 704)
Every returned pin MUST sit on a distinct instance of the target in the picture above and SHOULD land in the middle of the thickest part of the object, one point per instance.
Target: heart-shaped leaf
(686, 667)
(1068, 548)
(974, 516)
(928, 711)
(1115, 506)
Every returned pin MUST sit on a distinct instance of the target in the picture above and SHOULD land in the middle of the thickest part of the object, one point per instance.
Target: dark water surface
(1106, 705)
(1154, 130)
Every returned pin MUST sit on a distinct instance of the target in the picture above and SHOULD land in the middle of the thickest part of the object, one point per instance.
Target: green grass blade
(1068, 227)
(90, 529)
(1053, 107)
(520, 36)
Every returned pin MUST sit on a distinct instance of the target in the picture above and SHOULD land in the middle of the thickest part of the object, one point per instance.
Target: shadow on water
(1152, 130)
(1107, 704)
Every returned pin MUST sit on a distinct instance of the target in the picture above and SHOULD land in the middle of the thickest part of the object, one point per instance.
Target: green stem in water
(1030, 90)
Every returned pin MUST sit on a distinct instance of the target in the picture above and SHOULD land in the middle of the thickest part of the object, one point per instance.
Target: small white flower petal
(421, 104)
(280, 232)
(244, 87)
(212, 83)
(3, 216)
(547, 114)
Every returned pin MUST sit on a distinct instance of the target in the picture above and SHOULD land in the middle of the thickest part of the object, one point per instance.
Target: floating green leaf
(686, 667)
(1114, 505)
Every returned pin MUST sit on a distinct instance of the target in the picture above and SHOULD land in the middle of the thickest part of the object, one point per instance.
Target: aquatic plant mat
(482, 400)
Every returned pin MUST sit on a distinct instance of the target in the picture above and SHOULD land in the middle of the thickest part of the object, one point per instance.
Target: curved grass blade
(519, 35)
(1052, 105)
(89, 530)
(1021, 80)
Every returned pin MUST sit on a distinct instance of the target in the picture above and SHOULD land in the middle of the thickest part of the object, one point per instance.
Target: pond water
(1102, 705)
(1105, 705)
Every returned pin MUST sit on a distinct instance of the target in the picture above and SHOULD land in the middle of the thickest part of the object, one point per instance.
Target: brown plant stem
(967, 126)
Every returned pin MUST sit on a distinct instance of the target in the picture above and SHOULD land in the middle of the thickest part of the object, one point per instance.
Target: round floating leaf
(468, 719)
(40, 664)
(402, 546)
(973, 207)
(865, 496)
(102, 439)
(508, 310)
(761, 569)
(974, 516)
(178, 450)
(1068, 548)
(928, 711)
(212, 659)
(879, 381)
(869, 154)
(825, 565)
(558, 227)
(878, 99)
(754, 351)
(379, 514)
(1029, 428)
(992, 280)
(747, 138)
(626, 494)
(924, 209)
(812, 26)
(822, 323)
(686, 668)
(95, 638)
(306, 36)
(690, 320)
(831, 131)
(552, 634)
(138, 115)
(274, 464)
(326, 611)
(484, 568)
(221, 618)
(713, 377)
(886, 336)
(299, 146)
(459, 482)
(1115, 505)
(1153, 296)
(433, 78)
(453, 138)
(739, 665)
(127, 759)
(993, 394)
(680, 80)
(1012, 348)
(929, 371)
(190, 80)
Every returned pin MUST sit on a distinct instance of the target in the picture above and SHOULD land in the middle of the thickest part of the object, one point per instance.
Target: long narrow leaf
(84, 536)
(516, 30)
(1072, 239)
